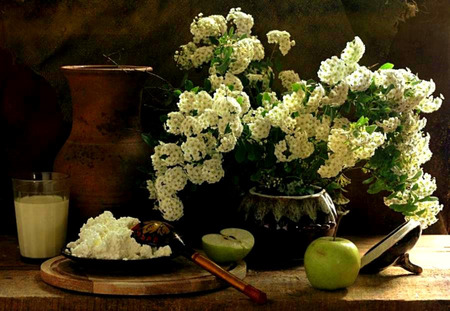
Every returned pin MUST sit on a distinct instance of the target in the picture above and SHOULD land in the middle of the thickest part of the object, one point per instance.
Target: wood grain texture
(287, 289)
(180, 276)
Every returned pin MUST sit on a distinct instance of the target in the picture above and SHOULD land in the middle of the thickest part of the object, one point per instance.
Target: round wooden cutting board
(178, 276)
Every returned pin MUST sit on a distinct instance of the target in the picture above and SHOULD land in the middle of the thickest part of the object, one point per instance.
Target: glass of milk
(41, 201)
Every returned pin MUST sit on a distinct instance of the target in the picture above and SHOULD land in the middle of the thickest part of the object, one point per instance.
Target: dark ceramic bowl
(392, 250)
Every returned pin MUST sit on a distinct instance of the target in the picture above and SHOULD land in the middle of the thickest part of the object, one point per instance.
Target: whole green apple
(232, 244)
(332, 263)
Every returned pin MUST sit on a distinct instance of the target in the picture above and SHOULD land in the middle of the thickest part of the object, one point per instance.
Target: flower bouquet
(283, 135)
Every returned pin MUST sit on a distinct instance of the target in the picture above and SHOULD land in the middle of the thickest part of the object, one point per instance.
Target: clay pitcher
(105, 148)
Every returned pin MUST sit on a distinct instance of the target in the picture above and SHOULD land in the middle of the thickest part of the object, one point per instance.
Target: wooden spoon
(158, 233)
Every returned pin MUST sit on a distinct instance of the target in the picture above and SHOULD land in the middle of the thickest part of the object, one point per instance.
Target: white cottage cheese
(105, 237)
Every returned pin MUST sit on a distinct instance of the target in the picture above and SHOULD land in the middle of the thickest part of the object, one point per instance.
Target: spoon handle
(255, 294)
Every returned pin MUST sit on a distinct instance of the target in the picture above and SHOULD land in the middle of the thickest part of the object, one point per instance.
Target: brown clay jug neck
(105, 99)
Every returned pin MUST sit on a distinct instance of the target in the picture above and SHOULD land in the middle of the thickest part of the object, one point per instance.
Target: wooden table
(21, 287)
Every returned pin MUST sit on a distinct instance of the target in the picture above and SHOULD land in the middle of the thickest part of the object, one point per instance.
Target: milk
(41, 224)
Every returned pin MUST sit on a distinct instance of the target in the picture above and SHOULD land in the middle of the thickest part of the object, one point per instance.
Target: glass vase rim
(320, 192)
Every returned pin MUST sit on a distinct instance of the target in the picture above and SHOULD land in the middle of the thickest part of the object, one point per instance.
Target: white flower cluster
(288, 77)
(428, 210)
(335, 69)
(408, 92)
(308, 120)
(347, 148)
(244, 22)
(282, 38)
(208, 126)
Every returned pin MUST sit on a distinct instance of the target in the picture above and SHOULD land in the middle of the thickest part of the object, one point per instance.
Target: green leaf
(295, 87)
(429, 199)
(149, 140)
(231, 31)
(334, 186)
(370, 129)
(231, 87)
(207, 85)
(363, 98)
(266, 97)
(417, 176)
(163, 118)
(387, 66)
(195, 89)
(368, 180)
(259, 99)
(362, 121)
(240, 154)
(214, 40)
(287, 168)
(188, 85)
(376, 187)
(177, 93)
(256, 177)
(240, 100)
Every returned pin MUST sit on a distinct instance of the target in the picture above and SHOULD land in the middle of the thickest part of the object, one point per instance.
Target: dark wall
(39, 36)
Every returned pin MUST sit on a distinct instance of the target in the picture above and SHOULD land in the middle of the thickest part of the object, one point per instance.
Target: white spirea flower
(227, 143)
(212, 170)
(191, 126)
(342, 122)
(315, 98)
(360, 79)
(332, 70)
(430, 104)
(204, 27)
(258, 49)
(186, 102)
(209, 118)
(242, 55)
(202, 55)
(203, 101)
(282, 38)
(243, 21)
(260, 129)
(183, 58)
(353, 51)
(389, 125)
(280, 150)
(299, 146)
(171, 208)
(151, 189)
(224, 102)
(194, 149)
(174, 121)
(337, 96)
(429, 216)
(176, 178)
(194, 173)
(167, 155)
(288, 77)
(163, 189)
(231, 79)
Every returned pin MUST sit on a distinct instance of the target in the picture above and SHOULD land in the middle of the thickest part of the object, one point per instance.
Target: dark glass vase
(284, 226)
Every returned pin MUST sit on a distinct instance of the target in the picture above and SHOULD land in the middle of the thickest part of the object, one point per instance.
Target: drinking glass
(41, 202)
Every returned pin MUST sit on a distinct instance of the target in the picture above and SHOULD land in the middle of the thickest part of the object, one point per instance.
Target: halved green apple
(232, 244)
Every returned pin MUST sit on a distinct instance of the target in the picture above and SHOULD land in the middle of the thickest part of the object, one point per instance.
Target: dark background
(39, 36)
